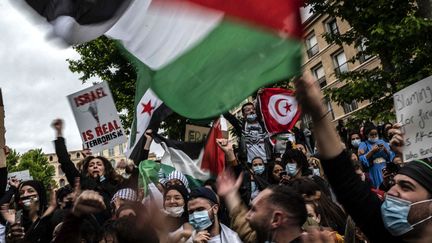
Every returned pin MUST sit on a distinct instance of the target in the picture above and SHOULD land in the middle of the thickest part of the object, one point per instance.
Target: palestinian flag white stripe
(153, 24)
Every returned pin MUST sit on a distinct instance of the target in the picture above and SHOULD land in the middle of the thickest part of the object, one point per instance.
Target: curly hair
(109, 171)
(299, 158)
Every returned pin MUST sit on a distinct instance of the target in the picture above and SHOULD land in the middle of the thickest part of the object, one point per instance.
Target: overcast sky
(35, 81)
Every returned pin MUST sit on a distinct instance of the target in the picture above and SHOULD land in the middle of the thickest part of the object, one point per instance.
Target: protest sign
(23, 175)
(97, 118)
(413, 107)
(196, 133)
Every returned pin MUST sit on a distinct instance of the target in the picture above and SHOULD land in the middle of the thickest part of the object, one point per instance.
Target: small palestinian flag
(197, 161)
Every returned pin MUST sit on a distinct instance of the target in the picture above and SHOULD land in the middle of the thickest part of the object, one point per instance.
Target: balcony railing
(363, 58)
(322, 82)
(343, 68)
(312, 51)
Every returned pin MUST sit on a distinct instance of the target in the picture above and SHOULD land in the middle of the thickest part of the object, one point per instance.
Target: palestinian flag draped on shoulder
(205, 56)
(197, 161)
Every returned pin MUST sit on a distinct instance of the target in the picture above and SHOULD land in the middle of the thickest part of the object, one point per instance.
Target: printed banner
(413, 107)
(97, 118)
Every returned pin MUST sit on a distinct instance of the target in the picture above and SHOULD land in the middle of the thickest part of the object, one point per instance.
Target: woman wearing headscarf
(374, 154)
(176, 217)
(30, 222)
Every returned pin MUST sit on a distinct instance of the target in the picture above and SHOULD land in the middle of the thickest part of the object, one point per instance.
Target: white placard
(97, 118)
(23, 175)
(413, 107)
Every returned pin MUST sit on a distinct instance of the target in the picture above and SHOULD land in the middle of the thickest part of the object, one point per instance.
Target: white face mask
(175, 212)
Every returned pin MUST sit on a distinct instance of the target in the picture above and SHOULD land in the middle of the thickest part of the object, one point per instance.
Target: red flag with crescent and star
(279, 109)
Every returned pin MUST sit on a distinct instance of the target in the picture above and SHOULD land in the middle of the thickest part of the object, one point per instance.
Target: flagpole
(2, 133)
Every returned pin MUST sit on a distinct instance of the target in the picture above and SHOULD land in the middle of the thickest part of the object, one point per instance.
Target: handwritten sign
(97, 118)
(413, 107)
(196, 133)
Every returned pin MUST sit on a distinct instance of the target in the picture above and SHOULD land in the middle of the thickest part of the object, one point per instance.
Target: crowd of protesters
(326, 184)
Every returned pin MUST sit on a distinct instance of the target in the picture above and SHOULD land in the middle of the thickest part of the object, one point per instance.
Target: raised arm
(363, 205)
(234, 122)
(144, 152)
(66, 163)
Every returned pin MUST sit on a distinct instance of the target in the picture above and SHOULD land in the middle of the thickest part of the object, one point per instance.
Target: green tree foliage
(393, 30)
(12, 159)
(35, 161)
(101, 58)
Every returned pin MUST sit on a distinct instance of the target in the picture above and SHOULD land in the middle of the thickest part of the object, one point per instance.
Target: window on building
(111, 152)
(60, 172)
(330, 108)
(78, 155)
(311, 45)
(362, 47)
(340, 62)
(350, 107)
(332, 27)
(50, 158)
(319, 74)
(62, 182)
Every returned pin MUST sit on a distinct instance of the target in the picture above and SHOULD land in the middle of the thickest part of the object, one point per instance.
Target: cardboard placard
(97, 118)
(196, 133)
(413, 107)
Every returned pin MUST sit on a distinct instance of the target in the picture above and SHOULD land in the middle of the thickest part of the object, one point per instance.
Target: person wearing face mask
(355, 142)
(175, 200)
(253, 138)
(255, 180)
(405, 215)
(203, 207)
(65, 200)
(374, 154)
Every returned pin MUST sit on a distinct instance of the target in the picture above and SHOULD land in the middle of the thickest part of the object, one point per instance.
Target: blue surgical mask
(200, 220)
(259, 169)
(355, 143)
(251, 117)
(291, 168)
(394, 212)
(373, 140)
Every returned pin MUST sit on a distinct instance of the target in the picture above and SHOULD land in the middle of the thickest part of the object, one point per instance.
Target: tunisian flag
(279, 109)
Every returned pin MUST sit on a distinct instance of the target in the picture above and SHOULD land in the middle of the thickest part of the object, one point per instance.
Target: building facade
(114, 155)
(326, 60)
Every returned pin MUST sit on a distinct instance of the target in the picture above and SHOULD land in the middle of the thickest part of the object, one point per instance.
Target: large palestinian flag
(150, 111)
(208, 55)
(197, 161)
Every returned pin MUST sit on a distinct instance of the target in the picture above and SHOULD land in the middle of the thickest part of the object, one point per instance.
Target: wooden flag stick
(2, 134)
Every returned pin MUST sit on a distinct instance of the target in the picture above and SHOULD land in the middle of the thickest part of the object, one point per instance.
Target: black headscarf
(40, 189)
(419, 171)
